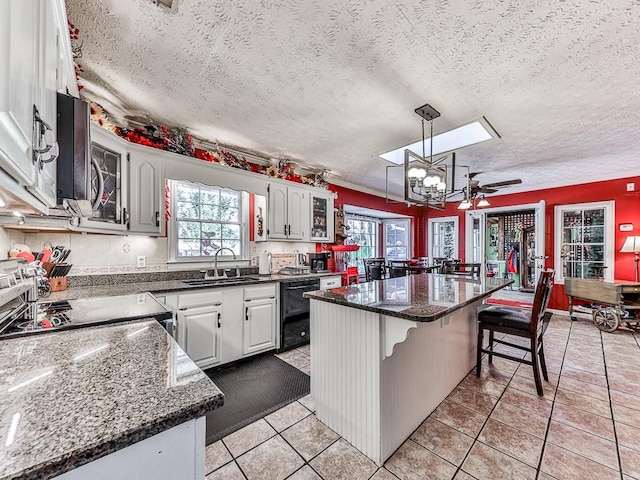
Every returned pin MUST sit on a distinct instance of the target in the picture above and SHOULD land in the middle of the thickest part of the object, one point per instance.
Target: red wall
(365, 200)
(627, 210)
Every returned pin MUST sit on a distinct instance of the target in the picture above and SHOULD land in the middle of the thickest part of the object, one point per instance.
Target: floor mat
(253, 390)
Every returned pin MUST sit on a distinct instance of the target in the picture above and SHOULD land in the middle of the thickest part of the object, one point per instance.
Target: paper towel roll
(264, 264)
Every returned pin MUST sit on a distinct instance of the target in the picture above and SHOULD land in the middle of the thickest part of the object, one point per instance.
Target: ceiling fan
(473, 188)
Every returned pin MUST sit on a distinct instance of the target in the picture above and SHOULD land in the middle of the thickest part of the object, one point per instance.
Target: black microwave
(86, 170)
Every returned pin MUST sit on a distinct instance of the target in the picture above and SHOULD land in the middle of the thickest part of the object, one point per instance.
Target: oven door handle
(310, 287)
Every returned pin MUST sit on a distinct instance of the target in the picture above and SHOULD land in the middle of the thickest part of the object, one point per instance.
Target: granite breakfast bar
(112, 401)
(386, 353)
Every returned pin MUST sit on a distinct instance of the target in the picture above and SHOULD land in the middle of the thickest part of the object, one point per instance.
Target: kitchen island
(113, 401)
(386, 353)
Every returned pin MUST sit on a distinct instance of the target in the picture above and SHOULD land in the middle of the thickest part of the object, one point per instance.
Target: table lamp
(632, 245)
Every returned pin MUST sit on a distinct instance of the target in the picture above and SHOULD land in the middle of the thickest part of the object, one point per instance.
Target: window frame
(172, 228)
(408, 245)
(609, 236)
(376, 241)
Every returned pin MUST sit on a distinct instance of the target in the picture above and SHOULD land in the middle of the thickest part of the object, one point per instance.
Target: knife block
(58, 284)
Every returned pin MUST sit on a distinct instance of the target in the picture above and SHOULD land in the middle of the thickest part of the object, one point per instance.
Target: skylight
(464, 136)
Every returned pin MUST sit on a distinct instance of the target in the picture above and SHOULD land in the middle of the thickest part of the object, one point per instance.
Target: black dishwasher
(294, 312)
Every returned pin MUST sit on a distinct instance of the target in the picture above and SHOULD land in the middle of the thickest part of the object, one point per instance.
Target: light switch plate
(626, 227)
(631, 187)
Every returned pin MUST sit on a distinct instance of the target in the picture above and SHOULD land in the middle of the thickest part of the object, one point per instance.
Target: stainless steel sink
(212, 282)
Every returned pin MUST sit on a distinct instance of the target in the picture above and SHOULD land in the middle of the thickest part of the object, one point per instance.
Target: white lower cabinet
(334, 281)
(201, 327)
(259, 333)
(217, 326)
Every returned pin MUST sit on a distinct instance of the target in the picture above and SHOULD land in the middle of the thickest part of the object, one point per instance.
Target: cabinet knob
(219, 322)
(157, 219)
(246, 313)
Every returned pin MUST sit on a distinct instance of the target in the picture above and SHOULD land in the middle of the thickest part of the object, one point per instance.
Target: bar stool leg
(535, 365)
(491, 333)
(479, 349)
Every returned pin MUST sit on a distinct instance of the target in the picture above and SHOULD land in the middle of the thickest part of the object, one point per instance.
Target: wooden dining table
(416, 267)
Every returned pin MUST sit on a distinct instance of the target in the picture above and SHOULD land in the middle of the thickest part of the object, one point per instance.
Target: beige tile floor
(587, 425)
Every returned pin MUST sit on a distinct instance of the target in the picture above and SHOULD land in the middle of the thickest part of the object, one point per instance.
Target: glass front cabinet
(322, 218)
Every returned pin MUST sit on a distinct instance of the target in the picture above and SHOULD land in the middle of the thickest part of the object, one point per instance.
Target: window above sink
(204, 219)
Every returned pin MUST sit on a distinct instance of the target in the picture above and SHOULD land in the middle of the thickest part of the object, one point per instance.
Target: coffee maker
(319, 262)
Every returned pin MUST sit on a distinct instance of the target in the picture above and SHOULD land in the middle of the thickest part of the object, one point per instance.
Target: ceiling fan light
(464, 205)
(483, 202)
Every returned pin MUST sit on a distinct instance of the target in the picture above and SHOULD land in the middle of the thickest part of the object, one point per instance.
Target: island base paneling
(375, 400)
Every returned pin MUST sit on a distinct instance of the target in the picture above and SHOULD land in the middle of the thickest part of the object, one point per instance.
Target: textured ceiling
(333, 83)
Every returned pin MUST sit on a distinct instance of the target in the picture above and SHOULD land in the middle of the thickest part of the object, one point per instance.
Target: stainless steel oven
(294, 312)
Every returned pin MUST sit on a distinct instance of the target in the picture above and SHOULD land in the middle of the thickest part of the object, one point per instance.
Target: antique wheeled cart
(611, 302)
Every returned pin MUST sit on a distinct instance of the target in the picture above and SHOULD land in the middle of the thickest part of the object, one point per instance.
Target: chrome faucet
(215, 264)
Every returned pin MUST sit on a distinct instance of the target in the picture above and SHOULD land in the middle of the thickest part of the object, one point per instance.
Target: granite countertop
(73, 396)
(168, 286)
(420, 298)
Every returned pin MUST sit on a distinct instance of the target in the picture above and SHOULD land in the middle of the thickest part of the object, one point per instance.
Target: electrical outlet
(142, 261)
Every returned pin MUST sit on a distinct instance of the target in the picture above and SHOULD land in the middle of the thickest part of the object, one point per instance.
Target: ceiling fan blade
(473, 174)
(505, 183)
(487, 190)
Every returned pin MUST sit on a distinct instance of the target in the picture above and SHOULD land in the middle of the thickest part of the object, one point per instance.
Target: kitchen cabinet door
(278, 224)
(146, 194)
(45, 98)
(288, 213)
(297, 213)
(322, 218)
(199, 329)
(18, 76)
(259, 332)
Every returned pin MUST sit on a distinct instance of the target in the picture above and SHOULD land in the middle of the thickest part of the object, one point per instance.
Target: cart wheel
(606, 320)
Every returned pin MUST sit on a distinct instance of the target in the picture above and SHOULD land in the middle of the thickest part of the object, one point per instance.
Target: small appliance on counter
(264, 263)
(319, 262)
(301, 270)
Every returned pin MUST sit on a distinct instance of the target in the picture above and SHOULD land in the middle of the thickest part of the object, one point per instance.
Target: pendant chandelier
(425, 181)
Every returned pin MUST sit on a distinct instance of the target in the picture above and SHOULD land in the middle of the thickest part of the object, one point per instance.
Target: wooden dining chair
(519, 322)
(374, 269)
(464, 269)
(398, 268)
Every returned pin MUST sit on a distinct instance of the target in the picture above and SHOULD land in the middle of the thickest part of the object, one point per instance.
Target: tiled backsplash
(95, 254)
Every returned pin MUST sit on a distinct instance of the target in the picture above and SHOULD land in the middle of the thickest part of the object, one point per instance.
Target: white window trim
(430, 223)
(172, 233)
(609, 236)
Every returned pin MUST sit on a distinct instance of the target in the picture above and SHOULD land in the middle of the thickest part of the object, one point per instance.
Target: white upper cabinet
(322, 218)
(288, 213)
(146, 193)
(45, 98)
(18, 76)
(35, 62)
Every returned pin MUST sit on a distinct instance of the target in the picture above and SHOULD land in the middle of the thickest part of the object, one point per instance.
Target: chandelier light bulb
(417, 173)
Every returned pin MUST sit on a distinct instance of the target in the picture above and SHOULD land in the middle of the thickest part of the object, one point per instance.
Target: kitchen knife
(65, 254)
(56, 254)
